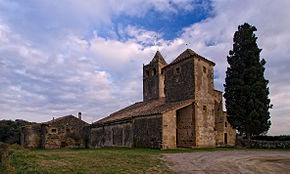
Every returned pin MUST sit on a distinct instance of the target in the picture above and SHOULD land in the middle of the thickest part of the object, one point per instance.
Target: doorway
(63, 144)
(185, 134)
(226, 138)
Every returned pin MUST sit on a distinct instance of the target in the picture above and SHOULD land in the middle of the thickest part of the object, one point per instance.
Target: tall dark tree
(246, 90)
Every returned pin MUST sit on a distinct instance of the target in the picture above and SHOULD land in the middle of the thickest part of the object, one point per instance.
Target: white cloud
(212, 38)
(67, 73)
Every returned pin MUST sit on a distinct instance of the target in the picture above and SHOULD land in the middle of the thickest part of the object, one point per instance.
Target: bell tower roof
(158, 58)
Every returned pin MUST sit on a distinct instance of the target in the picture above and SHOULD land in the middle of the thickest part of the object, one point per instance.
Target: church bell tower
(153, 79)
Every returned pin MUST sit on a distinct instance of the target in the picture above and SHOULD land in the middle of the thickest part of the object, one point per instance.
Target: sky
(61, 57)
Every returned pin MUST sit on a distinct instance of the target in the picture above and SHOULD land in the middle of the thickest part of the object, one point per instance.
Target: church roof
(158, 58)
(188, 53)
(144, 108)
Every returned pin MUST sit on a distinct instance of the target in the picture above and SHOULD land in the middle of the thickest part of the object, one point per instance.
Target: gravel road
(236, 161)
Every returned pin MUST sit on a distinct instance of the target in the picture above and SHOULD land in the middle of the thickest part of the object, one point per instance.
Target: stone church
(180, 109)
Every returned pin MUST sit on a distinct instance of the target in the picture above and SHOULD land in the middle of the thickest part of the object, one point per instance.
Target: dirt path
(237, 161)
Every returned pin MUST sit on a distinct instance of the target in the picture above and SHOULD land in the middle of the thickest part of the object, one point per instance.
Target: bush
(10, 130)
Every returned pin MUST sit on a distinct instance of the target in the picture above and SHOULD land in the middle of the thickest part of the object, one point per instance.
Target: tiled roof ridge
(188, 53)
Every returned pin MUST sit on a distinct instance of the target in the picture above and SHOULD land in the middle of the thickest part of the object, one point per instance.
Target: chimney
(80, 115)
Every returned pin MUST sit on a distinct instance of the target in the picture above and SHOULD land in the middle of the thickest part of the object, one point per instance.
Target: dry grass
(107, 160)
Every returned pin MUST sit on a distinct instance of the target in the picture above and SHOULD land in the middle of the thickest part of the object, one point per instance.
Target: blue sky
(62, 57)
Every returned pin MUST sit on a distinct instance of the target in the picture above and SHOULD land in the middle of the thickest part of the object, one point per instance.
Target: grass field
(106, 160)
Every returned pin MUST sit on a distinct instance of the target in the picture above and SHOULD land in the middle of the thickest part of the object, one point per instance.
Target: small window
(53, 130)
(147, 73)
(67, 130)
(177, 71)
(204, 108)
(154, 72)
(204, 69)
(226, 124)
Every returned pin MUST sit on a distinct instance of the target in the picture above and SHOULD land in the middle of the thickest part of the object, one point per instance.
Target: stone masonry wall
(204, 108)
(179, 81)
(222, 126)
(186, 134)
(230, 132)
(147, 131)
(136, 132)
(169, 130)
(259, 144)
(64, 133)
(153, 81)
(31, 136)
(219, 118)
(114, 135)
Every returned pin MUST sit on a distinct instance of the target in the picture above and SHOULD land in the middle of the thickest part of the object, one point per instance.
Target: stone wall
(231, 133)
(225, 134)
(179, 81)
(150, 82)
(259, 144)
(169, 130)
(204, 108)
(186, 134)
(135, 132)
(147, 131)
(153, 81)
(219, 119)
(64, 133)
(111, 135)
(30, 136)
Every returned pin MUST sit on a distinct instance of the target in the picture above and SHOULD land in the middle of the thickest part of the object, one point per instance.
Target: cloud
(95, 76)
(53, 61)
(212, 38)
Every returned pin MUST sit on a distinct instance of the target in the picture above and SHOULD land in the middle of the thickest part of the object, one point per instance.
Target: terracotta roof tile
(188, 53)
(143, 109)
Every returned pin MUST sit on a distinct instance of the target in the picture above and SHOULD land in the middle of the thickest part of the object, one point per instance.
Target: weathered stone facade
(133, 132)
(63, 132)
(180, 108)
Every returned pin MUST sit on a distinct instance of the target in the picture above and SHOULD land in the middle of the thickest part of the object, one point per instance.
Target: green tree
(10, 130)
(246, 90)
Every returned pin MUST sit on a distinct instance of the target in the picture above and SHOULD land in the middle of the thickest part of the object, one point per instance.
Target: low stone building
(180, 108)
(64, 132)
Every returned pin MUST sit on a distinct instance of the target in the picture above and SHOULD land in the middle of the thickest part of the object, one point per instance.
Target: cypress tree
(246, 90)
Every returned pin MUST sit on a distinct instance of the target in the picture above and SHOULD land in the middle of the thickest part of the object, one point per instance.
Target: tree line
(10, 130)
